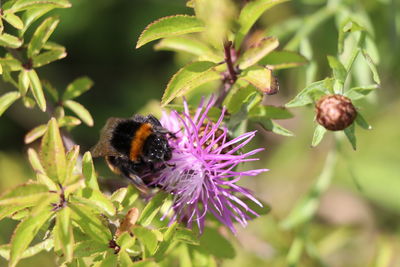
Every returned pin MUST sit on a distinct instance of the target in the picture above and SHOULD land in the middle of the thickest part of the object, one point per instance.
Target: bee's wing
(138, 183)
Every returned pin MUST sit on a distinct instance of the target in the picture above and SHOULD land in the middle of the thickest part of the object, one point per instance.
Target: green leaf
(371, 66)
(68, 121)
(188, 78)
(89, 172)
(37, 89)
(35, 133)
(362, 122)
(25, 195)
(44, 179)
(151, 209)
(145, 263)
(216, 244)
(238, 95)
(260, 210)
(167, 240)
(258, 51)
(20, 5)
(89, 248)
(168, 27)
(41, 35)
(7, 100)
(270, 112)
(46, 245)
(188, 45)
(90, 223)
(350, 134)
(71, 158)
(187, 236)
(63, 234)
(31, 15)
(339, 71)
(147, 238)
(356, 93)
(53, 46)
(283, 60)
(52, 152)
(80, 111)
(24, 234)
(35, 161)
(47, 57)
(51, 90)
(109, 260)
(250, 14)
(94, 198)
(272, 126)
(12, 63)
(130, 197)
(124, 260)
(319, 133)
(23, 82)
(14, 20)
(261, 78)
(77, 87)
(312, 92)
(10, 41)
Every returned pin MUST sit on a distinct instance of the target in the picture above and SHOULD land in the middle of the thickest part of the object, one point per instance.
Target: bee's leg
(153, 120)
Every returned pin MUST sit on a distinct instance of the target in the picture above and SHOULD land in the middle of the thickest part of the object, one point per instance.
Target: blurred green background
(358, 219)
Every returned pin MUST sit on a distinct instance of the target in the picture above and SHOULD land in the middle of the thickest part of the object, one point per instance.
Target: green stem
(308, 205)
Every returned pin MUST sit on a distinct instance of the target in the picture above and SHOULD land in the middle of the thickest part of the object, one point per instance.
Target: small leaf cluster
(341, 80)
(223, 52)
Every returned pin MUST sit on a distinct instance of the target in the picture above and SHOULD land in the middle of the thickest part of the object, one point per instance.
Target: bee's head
(156, 148)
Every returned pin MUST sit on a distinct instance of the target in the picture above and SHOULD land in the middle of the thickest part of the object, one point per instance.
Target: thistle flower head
(202, 173)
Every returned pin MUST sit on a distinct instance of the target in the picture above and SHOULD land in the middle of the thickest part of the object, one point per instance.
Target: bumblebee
(136, 148)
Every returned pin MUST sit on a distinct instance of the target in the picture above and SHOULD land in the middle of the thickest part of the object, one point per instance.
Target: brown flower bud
(335, 112)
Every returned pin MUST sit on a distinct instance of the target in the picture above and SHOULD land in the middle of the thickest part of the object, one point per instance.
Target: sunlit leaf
(41, 35)
(80, 111)
(319, 133)
(187, 236)
(10, 41)
(258, 51)
(188, 78)
(168, 238)
(51, 90)
(52, 152)
(95, 198)
(32, 14)
(89, 248)
(77, 87)
(283, 59)
(351, 136)
(188, 45)
(14, 20)
(90, 223)
(339, 71)
(216, 244)
(25, 195)
(24, 234)
(371, 66)
(362, 122)
(250, 14)
(310, 93)
(12, 63)
(261, 78)
(360, 92)
(7, 100)
(239, 94)
(35, 161)
(47, 57)
(35, 133)
(272, 126)
(23, 82)
(68, 121)
(63, 234)
(37, 89)
(151, 209)
(89, 171)
(20, 5)
(147, 238)
(124, 260)
(168, 27)
(270, 112)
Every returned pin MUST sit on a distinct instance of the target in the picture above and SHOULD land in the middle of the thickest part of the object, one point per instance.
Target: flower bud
(335, 112)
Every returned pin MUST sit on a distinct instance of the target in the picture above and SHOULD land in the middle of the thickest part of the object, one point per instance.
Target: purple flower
(201, 174)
